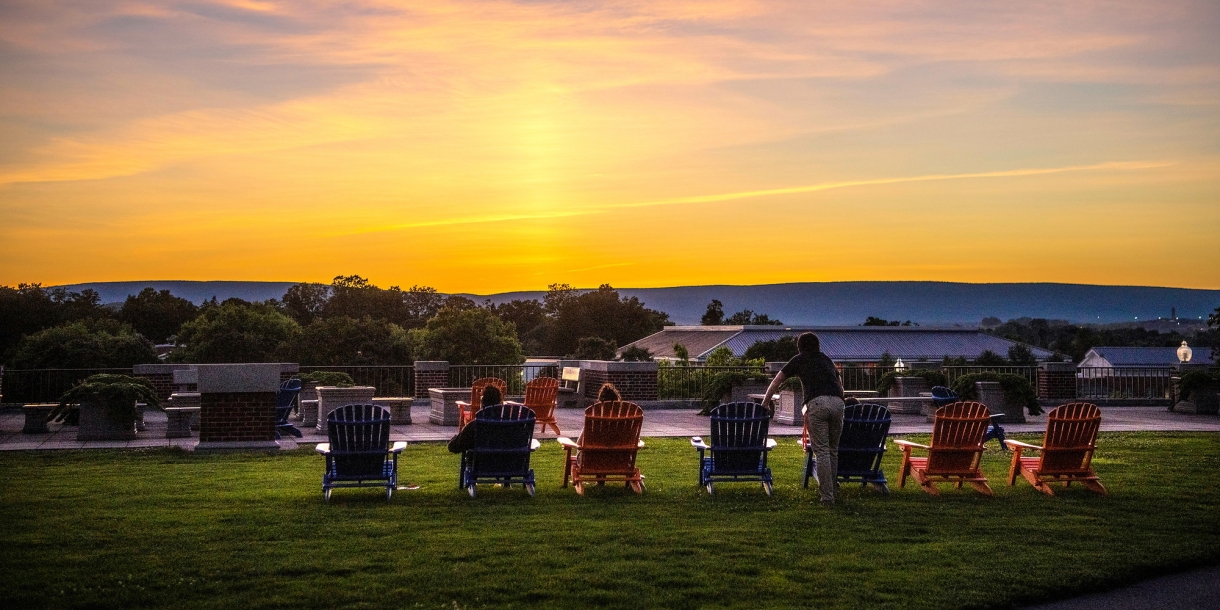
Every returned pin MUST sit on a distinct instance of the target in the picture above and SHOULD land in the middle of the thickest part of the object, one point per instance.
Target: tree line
(348, 322)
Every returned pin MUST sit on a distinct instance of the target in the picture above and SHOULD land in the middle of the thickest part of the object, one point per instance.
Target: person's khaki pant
(824, 419)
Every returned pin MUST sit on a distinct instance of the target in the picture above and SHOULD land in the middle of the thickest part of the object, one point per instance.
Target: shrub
(636, 353)
(115, 394)
(933, 377)
(1196, 381)
(593, 348)
(1017, 389)
(328, 378)
(723, 383)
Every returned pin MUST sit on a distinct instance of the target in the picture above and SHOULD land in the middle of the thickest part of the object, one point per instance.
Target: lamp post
(1184, 353)
(900, 366)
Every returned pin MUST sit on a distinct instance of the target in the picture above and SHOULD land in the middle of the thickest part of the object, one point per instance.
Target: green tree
(598, 313)
(714, 316)
(236, 332)
(593, 348)
(467, 336)
(306, 302)
(84, 344)
(29, 308)
(1020, 355)
(341, 340)
(990, 358)
(529, 317)
(157, 315)
(775, 350)
(636, 353)
(747, 316)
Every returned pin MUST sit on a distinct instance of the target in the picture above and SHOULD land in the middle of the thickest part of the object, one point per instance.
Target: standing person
(823, 407)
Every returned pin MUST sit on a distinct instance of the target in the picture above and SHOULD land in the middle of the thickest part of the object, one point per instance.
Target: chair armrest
(323, 448)
(907, 444)
(697, 443)
(640, 445)
(398, 447)
(567, 442)
(771, 443)
(534, 444)
(1015, 444)
(463, 404)
(513, 402)
(997, 418)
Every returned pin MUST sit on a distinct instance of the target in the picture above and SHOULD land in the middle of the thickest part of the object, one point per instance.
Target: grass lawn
(160, 528)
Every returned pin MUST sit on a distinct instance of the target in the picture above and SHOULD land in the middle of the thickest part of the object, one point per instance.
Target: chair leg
(982, 487)
(1095, 486)
(904, 469)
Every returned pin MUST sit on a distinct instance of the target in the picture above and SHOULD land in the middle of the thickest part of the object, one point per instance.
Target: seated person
(465, 439)
(608, 393)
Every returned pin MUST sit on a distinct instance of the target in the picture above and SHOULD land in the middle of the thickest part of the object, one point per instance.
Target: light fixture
(900, 365)
(1184, 353)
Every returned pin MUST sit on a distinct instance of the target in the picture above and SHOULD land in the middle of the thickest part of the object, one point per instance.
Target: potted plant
(1198, 393)
(107, 405)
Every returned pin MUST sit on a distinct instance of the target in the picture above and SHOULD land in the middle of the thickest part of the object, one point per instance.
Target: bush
(776, 350)
(1017, 389)
(115, 394)
(1196, 381)
(723, 383)
(933, 377)
(328, 378)
(635, 353)
(593, 348)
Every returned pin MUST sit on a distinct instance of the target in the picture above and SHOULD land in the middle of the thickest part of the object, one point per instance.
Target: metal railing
(1124, 382)
(390, 380)
(515, 375)
(679, 381)
(861, 377)
(46, 385)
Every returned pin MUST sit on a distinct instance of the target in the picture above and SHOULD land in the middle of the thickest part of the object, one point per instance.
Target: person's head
(491, 396)
(808, 343)
(608, 393)
(851, 400)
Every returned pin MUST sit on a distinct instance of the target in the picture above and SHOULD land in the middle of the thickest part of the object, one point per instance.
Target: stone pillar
(399, 406)
(237, 405)
(430, 374)
(333, 397)
(991, 394)
(161, 376)
(907, 387)
(789, 410)
(636, 381)
(1057, 381)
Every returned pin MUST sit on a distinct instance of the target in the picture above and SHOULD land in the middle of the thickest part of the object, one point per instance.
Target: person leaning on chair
(823, 407)
(465, 439)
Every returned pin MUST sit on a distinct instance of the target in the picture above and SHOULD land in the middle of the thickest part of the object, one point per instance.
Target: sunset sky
(493, 146)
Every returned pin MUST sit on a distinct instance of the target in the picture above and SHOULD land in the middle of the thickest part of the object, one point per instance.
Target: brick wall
(636, 381)
(1057, 381)
(430, 374)
(237, 416)
(160, 375)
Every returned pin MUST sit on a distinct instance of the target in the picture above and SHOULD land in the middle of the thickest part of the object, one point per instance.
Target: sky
(494, 146)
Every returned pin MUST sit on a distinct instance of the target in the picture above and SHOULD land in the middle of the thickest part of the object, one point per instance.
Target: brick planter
(96, 426)
(333, 397)
(444, 409)
(788, 411)
(399, 406)
(1056, 381)
(991, 394)
(36, 417)
(907, 387)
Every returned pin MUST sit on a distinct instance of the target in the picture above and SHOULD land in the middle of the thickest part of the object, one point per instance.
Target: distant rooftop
(841, 343)
(1142, 356)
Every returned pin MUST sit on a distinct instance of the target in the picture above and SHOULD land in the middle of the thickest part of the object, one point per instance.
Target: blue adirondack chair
(739, 446)
(942, 396)
(359, 452)
(861, 447)
(285, 402)
(503, 442)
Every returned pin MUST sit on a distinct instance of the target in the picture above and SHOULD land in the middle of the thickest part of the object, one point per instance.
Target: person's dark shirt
(817, 374)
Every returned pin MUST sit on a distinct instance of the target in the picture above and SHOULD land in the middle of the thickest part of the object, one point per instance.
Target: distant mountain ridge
(823, 303)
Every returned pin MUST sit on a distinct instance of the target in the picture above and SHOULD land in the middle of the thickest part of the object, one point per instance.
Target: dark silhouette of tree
(157, 315)
(305, 302)
(593, 348)
(341, 340)
(467, 336)
(84, 344)
(714, 316)
(775, 350)
(235, 331)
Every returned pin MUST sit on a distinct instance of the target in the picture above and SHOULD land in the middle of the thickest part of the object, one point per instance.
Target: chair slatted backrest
(285, 398)
(502, 440)
(957, 439)
(739, 435)
(1071, 436)
(862, 443)
(942, 396)
(611, 437)
(359, 439)
(540, 395)
(476, 390)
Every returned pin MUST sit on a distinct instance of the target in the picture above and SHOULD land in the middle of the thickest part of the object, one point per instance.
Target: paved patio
(657, 423)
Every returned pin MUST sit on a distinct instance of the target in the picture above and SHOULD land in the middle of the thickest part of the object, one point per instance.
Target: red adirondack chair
(955, 452)
(466, 410)
(540, 395)
(607, 448)
(1067, 450)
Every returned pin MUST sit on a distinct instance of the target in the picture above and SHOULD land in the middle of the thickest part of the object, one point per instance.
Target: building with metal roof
(1108, 357)
(841, 343)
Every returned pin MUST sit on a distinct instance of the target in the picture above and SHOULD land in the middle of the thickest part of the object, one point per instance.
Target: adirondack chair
(359, 452)
(739, 446)
(955, 452)
(607, 448)
(540, 394)
(1067, 450)
(861, 447)
(466, 410)
(942, 396)
(503, 441)
(285, 402)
